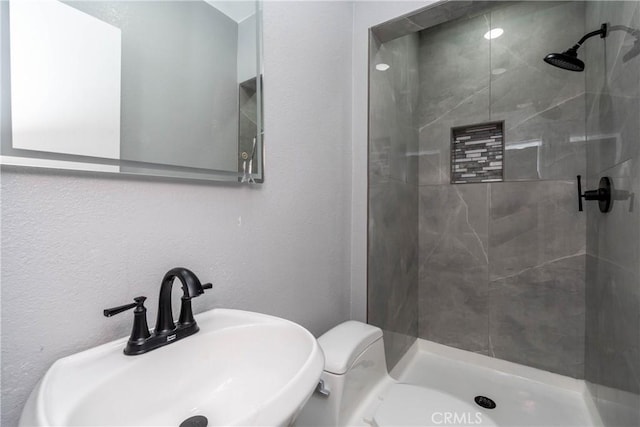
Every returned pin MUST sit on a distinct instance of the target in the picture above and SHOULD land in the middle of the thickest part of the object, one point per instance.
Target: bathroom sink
(242, 368)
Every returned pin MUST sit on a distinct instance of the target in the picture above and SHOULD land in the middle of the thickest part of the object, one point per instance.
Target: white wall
(366, 15)
(73, 244)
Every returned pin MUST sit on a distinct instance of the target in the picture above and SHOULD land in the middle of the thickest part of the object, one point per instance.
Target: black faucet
(166, 331)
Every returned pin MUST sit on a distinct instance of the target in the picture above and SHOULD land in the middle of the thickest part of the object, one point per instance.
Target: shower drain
(485, 402)
(197, 421)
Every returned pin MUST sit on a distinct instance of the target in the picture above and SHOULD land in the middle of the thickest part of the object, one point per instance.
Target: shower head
(568, 60)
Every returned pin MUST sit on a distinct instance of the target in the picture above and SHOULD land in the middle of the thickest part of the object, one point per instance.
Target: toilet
(355, 388)
(354, 365)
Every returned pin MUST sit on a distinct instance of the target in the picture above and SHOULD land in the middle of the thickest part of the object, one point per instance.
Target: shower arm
(602, 32)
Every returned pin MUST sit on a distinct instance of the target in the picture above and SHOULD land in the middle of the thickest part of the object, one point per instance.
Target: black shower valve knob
(602, 194)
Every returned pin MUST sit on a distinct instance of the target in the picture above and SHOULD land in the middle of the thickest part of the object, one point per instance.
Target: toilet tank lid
(344, 343)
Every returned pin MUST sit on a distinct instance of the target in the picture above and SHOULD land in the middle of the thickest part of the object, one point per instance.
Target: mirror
(162, 88)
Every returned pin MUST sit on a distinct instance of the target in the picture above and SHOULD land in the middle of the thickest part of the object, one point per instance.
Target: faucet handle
(186, 313)
(140, 332)
(139, 302)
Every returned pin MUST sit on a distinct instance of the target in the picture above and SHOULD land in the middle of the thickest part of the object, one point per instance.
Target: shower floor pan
(436, 385)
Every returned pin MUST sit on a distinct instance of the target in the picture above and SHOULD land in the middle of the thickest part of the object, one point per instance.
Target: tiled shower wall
(613, 240)
(502, 264)
(392, 301)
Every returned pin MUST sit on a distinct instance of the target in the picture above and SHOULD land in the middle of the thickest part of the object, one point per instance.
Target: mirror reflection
(151, 87)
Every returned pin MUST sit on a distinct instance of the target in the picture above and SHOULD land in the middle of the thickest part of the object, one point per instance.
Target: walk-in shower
(476, 238)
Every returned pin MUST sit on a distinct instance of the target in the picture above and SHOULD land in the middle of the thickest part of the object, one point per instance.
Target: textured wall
(393, 194)
(613, 240)
(502, 264)
(73, 244)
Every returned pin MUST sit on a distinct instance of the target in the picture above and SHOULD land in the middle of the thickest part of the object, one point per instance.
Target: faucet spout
(191, 288)
(166, 331)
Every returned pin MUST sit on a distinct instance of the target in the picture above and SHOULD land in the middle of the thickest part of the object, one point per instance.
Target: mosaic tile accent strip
(477, 153)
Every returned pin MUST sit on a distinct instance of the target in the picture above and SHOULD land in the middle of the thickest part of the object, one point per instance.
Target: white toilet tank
(354, 364)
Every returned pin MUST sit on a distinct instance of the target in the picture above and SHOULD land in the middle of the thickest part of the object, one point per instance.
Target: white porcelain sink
(242, 368)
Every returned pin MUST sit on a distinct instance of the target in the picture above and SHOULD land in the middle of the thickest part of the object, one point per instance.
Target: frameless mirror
(163, 88)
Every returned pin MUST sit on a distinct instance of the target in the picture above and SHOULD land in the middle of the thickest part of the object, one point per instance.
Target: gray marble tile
(546, 145)
(521, 160)
(613, 85)
(474, 80)
(453, 265)
(613, 286)
(455, 58)
(611, 123)
(394, 29)
(393, 139)
(536, 269)
(612, 335)
(615, 235)
(532, 224)
(613, 338)
(392, 264)
(592, 339)
(454, 210)
(393, 197)
(448, 11)
(543, 107)
(537, 317)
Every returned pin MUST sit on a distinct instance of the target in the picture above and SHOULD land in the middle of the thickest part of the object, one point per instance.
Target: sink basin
(242, 368)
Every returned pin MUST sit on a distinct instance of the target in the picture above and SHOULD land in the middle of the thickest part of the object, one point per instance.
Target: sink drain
(197, 421)
(485, 402)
